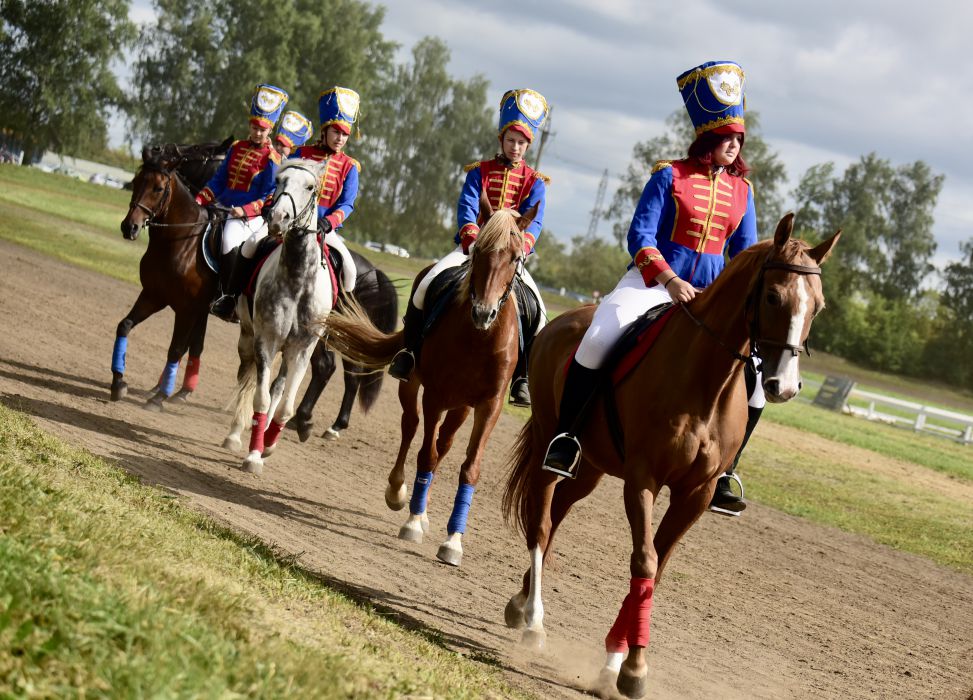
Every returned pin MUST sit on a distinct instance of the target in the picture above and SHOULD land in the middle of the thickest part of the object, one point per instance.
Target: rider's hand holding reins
(679, 290)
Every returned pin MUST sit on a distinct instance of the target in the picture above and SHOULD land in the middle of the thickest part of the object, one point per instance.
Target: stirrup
(216, 308)
(519, 393)
(742, 503)
(395, 371)
(570, 471)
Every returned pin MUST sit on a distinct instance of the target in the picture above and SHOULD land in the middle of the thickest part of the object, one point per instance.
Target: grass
(112, 589)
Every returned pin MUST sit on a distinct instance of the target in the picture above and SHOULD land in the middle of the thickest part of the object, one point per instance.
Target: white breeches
(349, 273)
(245, 233)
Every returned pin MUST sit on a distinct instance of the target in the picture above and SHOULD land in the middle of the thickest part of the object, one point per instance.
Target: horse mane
(495, 235)
(752, 259)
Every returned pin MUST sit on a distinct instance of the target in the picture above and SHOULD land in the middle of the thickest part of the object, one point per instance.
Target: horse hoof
(412, 531)
(303, 428)
(181, 396)
(155, 403)
(449, 555)
(631, 686)
(605, 686)
(534, 638)
(331, 434)
(232, 443)
(119, 391)
(513, 614)
(253, 464)
(396, 499)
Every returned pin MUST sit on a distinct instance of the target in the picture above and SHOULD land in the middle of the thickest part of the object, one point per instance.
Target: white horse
(292, 294)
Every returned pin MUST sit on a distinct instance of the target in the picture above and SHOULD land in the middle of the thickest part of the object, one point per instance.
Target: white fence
(914, 415)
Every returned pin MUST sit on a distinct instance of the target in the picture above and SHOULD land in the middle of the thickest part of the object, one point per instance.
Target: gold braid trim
(542, 176)
(717, 123)
(471, 166)
(661, 165)
(707, 72)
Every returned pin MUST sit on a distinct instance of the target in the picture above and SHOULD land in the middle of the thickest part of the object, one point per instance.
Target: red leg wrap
(257, 427)
(272, 434)
(631, 627)
(191, 379)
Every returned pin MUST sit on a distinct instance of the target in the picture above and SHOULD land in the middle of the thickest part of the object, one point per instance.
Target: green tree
(949, 351)
(56, 83)
(423, 127)
(767, 171)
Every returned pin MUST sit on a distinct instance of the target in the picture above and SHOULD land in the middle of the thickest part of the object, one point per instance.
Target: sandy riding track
(764, 606)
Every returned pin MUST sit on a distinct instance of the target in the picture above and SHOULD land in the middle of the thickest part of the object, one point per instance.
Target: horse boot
(225, 306)
(564, 452)
(404, 361)
(725, 501)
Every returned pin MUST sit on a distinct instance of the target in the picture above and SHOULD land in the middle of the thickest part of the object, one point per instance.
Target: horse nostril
(772, 386)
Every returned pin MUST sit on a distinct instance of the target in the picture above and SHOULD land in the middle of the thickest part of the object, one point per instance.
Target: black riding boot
(519, 391)
(725, 501)
(236, 280)
(405, 359)
(564, 452)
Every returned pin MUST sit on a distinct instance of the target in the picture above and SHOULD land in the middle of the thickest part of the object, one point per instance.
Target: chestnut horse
(682, 411)
(173, 273)
(466, 363)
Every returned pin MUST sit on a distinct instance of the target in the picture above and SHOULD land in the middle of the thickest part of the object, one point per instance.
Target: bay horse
(682, 412)
(173, 273)
(293, 292)
(467, 361)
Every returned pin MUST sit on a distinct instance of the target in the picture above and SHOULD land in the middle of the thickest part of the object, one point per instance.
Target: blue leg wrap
(118, 354)
(461, 509)
(420, 491)
(168, 383)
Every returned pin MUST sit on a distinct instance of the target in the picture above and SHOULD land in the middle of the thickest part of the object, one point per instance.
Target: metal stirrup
(570, 472)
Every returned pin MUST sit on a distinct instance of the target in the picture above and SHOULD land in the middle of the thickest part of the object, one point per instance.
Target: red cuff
(466, 240)
(529, 243)
(650, 263)
(253, 209)
(335, 219)
(204, 197)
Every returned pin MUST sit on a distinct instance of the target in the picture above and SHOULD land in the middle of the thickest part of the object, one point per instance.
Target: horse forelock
(496, 233)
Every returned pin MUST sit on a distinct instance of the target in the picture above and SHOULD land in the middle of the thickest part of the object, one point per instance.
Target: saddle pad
(269, 244)
(441, 293)
(211, 243)
(636, 341)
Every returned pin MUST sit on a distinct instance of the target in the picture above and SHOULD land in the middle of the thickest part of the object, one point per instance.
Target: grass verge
(110, 588)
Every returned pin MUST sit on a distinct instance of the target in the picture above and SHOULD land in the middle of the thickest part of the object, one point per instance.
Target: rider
(691, 212)
(293, 132)
(338, 110)
(242, 182)
(507, 181)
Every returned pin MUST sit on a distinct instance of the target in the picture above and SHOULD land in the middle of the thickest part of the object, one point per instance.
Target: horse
(196, 162)
(679, 428)
(467, 361)
(291, 294)
(173, 272)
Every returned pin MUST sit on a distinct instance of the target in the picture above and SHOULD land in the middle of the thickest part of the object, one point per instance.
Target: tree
(949, 350)
(56, 84)
(767, 171)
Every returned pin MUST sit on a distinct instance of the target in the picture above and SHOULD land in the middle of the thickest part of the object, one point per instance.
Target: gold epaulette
(747, 180)
(661, 165)
(275, 155)
(355, 163)
(542, 176)
(471, 166)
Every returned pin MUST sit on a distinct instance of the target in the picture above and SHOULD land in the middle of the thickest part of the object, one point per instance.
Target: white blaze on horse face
(788, 370)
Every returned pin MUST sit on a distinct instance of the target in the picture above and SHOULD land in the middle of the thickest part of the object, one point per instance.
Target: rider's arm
(538, 196)
(468, 207)
(643, 232)
(210, 194)
(745, 234)
(262, 187)
(339, 212)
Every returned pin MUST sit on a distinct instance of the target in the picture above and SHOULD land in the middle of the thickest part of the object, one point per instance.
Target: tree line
(191, 70)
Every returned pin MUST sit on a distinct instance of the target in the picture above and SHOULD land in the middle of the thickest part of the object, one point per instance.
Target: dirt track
(766, 605)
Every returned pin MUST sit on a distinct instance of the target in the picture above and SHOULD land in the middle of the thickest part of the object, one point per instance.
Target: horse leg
(245, 350)
(485, 417)
(264, 351)
(141, 310)
(178, 344)
(353, 380)
(685, 508)
(277, 388)
(629, 636)
(426, 462)
(396, 493)
(322, 367)
(296, 359)
(567, 492)
(191, 378)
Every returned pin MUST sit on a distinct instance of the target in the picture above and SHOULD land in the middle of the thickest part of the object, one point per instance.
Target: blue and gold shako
(523, 110)
(266, 105)
(713, 95)
(294, 129)
(338, 107)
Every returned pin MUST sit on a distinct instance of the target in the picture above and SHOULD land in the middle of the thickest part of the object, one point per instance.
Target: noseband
(519, 262)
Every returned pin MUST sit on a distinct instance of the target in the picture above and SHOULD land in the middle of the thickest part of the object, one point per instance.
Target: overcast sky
(832, 80)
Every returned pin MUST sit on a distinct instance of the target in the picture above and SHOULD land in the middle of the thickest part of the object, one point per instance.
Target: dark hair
(702, 150)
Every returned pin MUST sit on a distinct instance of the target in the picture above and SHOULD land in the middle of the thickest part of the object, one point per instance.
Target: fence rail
(918, 416)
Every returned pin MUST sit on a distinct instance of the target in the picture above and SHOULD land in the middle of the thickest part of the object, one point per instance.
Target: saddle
(211, 242)
(268, 245)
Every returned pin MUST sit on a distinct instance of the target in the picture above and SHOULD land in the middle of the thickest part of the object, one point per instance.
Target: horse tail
(380, 301)
(241, 401)
(350, 332)
(519, 494)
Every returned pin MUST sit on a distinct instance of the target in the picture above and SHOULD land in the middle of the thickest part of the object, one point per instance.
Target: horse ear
(486, 209)
(784, 230)
(822, 251)
(146, 153)
(527, 218)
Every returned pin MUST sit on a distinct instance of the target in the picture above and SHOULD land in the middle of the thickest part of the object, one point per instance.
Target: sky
(832, 80)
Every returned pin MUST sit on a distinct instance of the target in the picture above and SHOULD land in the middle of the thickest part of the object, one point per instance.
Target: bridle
(306, 210)
(519, 262)
(752, 302)
(164, 202)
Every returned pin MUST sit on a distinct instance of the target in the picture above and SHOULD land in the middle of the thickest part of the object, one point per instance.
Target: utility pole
(599, 202)
(545, 133)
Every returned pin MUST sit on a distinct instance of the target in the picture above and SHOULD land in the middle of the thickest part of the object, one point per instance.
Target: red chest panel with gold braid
(506, 187)
(708, 207)
(246, 162)
(333, 179)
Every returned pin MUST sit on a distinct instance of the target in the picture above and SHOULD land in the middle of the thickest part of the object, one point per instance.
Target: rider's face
(259, 134)
(727, 150)
(514, 145)
(336, 138)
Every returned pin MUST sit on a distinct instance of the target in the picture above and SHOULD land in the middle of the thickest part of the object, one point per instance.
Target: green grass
(112, 589)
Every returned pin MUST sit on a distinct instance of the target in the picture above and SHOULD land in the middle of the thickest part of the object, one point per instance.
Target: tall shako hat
(294, 130)
(266, 105)
(338, 107)
(524, 110)
(713, 96)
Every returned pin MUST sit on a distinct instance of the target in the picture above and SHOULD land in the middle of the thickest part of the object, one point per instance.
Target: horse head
(783, 302)
(494, 263)
(295, 196)
(151, 193)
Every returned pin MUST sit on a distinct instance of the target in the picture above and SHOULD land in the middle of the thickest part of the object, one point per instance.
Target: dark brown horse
(173, 273)
(682, 411)
(466, 363)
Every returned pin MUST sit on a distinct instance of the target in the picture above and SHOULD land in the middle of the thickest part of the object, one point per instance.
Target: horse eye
(773, 298)
(156, 189)
(310, 188)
